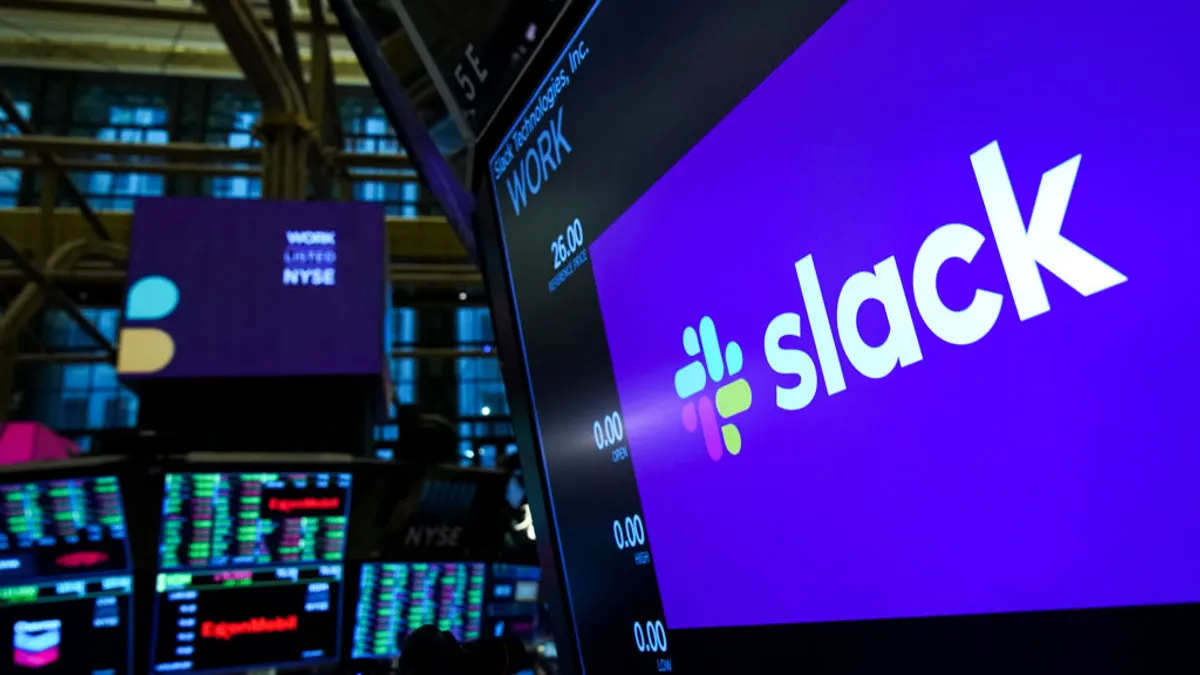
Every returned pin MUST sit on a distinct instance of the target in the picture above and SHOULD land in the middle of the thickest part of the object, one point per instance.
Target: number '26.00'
(566, 244)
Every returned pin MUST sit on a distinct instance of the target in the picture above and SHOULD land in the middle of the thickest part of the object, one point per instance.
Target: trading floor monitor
(66, 587)
(250, 570)
(470, 600)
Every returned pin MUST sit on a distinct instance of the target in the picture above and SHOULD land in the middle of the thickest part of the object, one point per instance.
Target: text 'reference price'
(629, 532)
(568, 252)
(650, 636)
(566, 244)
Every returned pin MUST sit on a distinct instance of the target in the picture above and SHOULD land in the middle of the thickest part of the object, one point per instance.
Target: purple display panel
(241, 288)
(940, 402)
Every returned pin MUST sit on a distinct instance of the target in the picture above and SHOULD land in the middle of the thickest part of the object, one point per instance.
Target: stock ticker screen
(250, 570)
(850, 289)
(513, 594)
(217, 520)
(65, 604)
(467, 599)
(61, 527)
(69, 627)
(302, 271)
(235, 620)
(395, 599)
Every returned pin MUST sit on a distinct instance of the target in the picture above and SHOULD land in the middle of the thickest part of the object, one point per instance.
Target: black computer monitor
(511, 607)
(62, 527)
(469, 600)
(67, 627)
(405, 512)
(233, 620)
(221, 520)
(65, 584)
(396, 598)
(250, 570)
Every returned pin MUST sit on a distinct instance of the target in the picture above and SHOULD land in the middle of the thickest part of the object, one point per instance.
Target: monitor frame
(355, 597)
(493, 260)
(136, 520)
(43, 472)
(152, 639)
(234, 469)
(247, 462)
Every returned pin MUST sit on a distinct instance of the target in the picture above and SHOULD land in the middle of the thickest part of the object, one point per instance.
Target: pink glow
(35, 660)
(32, 442)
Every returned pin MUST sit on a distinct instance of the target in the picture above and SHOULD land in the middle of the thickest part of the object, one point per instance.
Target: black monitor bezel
(493, 260)
(136, 520)
(1148, 638)
(247, 462)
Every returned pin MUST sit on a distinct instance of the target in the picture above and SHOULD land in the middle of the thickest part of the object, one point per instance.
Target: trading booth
(67, 568)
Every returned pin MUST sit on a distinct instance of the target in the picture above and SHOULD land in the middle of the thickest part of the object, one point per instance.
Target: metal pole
(55, 294)
(434, 72)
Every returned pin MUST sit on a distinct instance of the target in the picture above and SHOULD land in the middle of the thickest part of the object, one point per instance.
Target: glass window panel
(76, 377)
(487, 456)
(126, 116)
(368, 132)
(78, 396)
(474, 326)
(231, 122)
(10, 179)
(480, 381)
(402, 329)
(400, 332)
(105, 379)
(100, 405)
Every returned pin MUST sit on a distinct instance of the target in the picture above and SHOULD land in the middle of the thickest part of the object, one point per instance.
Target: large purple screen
(248, 288)
(913, 330)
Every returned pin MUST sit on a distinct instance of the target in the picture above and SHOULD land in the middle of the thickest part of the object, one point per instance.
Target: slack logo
(1025, 250)
(147, 350)
(731, 399)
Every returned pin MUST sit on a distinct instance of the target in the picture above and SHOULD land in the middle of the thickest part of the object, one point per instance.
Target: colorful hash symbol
(731, 399)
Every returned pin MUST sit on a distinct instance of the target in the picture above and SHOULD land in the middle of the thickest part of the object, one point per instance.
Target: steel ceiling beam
(183, 152)
(284, 127)
(322, 96)
(250, 46)
(130, 9)
(184, 169)
(45, 289)
(285, 35)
